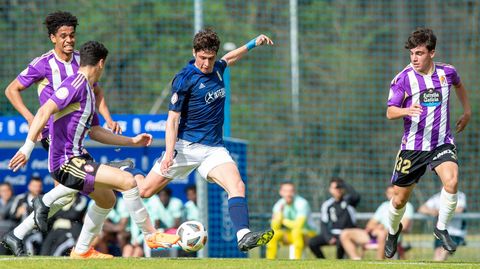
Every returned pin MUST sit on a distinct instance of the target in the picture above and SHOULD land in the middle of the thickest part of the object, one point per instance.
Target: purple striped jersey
(48, 71)
(432, 128)
(69, 127)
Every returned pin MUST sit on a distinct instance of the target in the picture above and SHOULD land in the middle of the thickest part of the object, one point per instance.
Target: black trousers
(323, 239)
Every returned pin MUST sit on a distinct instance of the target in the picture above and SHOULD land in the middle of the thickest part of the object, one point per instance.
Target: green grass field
(170, 263)
(465, 257)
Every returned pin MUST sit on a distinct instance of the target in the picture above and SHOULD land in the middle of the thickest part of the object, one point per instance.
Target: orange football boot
(161, 240)
(90, 254)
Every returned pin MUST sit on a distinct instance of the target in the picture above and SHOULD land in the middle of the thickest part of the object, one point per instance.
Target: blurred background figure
(7, 219)
(22, 207)
(338, 213)
(171, 211)
(457, 228)
(291, 222)
(375, 233)
(66, 226)
(191, 211)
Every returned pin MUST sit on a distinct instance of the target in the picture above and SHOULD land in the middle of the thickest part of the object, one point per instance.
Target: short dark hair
(92, 52)
(8, 184)
(191, 188)
(57, 19)
(36, 177)
(206, 40)
(167, 191)
(340, 182)
(421, 36)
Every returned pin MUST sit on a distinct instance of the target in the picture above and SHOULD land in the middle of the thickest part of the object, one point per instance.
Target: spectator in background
(456, 228)
(171, 211)
(6, 199)
(66, 226)
(191, 211)
(290, 222)
(6, 202)
(7, 220)
(22, 207)
(375, 232)
(338, 213)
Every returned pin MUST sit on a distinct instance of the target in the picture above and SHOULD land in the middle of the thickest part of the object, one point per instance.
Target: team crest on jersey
(443, 81)
(174, 98)
(431, 97)
(88, 168)
(61, 93)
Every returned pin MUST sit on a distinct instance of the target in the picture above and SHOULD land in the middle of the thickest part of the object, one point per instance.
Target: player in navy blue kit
(194, 132)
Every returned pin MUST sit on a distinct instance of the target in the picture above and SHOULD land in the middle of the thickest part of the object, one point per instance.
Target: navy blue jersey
(200, 98)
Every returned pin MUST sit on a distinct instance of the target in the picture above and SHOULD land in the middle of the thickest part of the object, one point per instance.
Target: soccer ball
(193, 236)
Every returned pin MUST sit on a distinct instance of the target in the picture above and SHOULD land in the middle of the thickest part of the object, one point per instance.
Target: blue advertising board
(15, 128)
(222, 238)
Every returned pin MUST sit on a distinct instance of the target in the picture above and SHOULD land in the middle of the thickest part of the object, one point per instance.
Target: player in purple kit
(73, 109)
(194, 132)
(420, 94)
(48, 71)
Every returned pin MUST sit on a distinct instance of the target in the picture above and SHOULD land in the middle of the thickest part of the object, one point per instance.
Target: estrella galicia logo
(431, 97)
(214, 95)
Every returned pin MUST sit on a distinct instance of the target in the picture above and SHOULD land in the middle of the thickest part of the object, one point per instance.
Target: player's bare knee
(450, 183)
(105, 201)
(128, 181)
(240, 188)
(451, 186)
(399, 202)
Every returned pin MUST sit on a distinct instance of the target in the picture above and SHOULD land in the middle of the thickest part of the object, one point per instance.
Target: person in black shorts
(420, 94)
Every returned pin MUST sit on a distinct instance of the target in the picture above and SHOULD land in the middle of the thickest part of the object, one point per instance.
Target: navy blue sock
(134, 171)
(238, 209)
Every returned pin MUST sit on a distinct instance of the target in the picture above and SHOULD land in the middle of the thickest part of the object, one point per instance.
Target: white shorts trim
(190, 156)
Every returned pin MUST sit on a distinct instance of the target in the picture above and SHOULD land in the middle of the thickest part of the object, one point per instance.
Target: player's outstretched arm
(233, 56)
(13, 94)
(424, 209)
(104, 136)
(467, 110)
(39, 121)
(102, 107)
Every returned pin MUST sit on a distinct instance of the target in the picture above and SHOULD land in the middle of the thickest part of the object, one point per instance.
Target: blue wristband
(251, 44)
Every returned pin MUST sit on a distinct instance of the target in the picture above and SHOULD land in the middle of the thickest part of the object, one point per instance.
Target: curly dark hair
(57, 19)
(206, 40)
(421, 36)
(91, 52)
